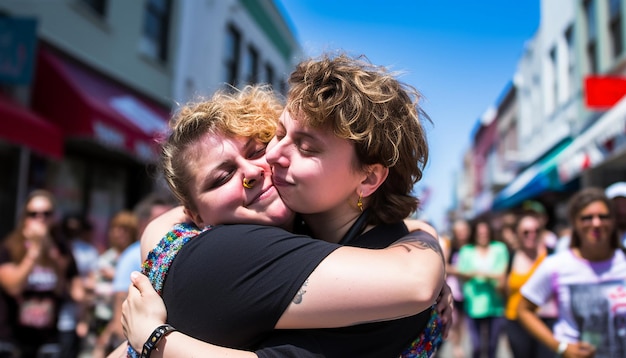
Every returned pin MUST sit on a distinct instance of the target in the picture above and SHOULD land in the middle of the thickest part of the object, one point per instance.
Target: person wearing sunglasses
(529, 253)
(36, 274)
(588, 282)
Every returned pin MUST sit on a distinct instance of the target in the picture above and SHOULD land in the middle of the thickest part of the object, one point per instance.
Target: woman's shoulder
(499, 245)
(559, 259)
(250, 229)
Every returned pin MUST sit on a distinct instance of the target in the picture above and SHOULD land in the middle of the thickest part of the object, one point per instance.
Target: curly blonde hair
(369, 106)
(251, 112)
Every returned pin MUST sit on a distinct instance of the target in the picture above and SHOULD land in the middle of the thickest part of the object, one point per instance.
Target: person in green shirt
(482, 267)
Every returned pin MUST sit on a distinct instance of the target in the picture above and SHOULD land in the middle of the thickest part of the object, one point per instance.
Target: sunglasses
(44, 214)
(528, 232)
(589, 218)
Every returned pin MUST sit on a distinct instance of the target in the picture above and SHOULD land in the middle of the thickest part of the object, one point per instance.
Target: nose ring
(248, 184)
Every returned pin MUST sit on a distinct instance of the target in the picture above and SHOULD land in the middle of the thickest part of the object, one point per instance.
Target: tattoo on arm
(421, 240)
(297, 299)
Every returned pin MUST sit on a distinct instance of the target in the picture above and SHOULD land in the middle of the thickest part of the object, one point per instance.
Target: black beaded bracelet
(160, 332)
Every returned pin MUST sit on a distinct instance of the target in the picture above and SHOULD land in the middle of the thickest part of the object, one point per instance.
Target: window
(231, 56)
(98, 6)
(571, 58)
(592, 66)
(555, 77)
(590, 17)
(269, 74)
(155, 29)
(615, 28)
(251, 65)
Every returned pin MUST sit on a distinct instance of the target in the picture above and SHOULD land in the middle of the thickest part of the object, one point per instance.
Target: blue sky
(460, 54)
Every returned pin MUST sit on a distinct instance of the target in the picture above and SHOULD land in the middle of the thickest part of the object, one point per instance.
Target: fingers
(141, 283)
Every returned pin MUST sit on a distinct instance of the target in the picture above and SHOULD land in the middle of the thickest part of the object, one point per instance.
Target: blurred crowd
(60, 296)
(541, 292)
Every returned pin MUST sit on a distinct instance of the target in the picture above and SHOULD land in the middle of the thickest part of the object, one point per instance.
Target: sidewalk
(504, 351)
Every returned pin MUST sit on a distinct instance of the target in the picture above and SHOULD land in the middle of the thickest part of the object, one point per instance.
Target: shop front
(598, 155)
(110, 136)
(538, 180)
(26, 141)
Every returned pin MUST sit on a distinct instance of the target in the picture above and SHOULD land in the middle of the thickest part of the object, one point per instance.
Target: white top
(591, 297)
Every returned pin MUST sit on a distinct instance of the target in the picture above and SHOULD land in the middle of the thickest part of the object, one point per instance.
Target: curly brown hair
(251, 112)
(369, 106)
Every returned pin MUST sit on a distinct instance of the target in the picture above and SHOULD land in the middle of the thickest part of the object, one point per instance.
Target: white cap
(616, 189)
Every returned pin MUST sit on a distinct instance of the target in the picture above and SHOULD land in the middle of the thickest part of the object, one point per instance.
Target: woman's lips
(264, 194)
(279, 181)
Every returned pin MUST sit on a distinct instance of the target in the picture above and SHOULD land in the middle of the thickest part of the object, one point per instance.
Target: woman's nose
(275, 152)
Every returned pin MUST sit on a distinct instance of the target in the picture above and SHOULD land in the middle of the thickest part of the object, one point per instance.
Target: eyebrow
(250, 143)
(207, 180)
(304, 134)
(299, 133)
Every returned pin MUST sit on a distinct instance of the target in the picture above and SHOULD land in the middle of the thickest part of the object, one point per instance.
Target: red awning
(21, 126)
(86, 104)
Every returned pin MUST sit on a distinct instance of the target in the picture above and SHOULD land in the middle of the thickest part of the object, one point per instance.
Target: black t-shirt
(231, 284)
(375, 340)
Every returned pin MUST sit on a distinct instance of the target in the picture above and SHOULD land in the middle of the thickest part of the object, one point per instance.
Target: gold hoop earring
(248, 184)
(359, 202)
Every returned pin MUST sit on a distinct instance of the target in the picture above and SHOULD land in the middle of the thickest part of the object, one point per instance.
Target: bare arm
(352, 285)
(386, 278)
(13, 275)
(528, 318)
(418, 225)
(159, 227)
(355, 285)
(144, 310)
(415, 261)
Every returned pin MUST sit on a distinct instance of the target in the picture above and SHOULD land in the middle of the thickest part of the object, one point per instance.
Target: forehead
(595, 207)
(298, 126)
(529, 221)
(38, 202)
(212, 145)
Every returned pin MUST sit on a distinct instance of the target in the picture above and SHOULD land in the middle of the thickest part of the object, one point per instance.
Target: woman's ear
(195, 217)
(375, 177)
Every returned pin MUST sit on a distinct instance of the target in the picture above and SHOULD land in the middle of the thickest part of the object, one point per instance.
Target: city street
(503, 349)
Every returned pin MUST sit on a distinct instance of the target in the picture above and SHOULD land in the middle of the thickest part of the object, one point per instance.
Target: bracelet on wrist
(154, 339)
(561, 348)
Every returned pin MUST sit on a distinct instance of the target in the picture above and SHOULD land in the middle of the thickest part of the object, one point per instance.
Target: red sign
(603, 92)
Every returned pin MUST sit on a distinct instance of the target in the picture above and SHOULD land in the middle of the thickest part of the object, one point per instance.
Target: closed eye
(258, 152)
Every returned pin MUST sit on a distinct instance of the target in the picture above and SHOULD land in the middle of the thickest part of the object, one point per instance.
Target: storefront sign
(18, 39)
(139, 114)
(603, 92)
(109, 136)
(600, 141)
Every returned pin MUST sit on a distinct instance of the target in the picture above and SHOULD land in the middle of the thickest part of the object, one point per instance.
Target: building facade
(104, 78)
(558, 137)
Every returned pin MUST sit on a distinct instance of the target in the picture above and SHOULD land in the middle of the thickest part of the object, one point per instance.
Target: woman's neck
(595, 254)
(531, 252)
(330, 226)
